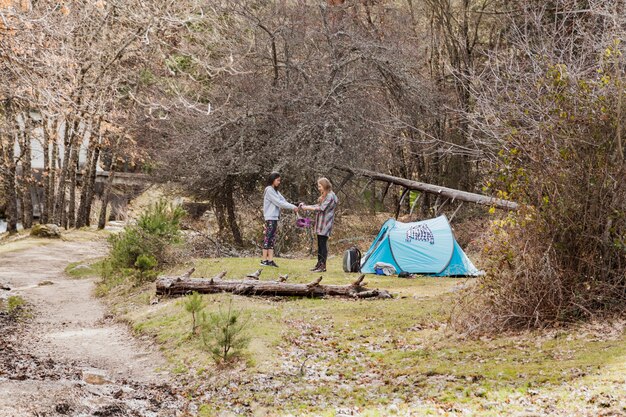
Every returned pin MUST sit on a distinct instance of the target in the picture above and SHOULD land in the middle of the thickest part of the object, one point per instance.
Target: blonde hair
(327, 186)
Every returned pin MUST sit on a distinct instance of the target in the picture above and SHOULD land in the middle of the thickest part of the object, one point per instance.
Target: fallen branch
(182, 285)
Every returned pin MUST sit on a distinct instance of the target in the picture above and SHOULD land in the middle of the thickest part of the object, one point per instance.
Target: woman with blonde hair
(324, 217)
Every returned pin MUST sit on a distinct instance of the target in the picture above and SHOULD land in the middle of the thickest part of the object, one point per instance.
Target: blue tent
(426, 247)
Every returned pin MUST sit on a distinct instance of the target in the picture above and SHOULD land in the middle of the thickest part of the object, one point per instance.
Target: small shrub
(126, 247)
(139, 251)
(146, 266)
(163, 220)
(193, 305)
(15, 304)
(224, 334)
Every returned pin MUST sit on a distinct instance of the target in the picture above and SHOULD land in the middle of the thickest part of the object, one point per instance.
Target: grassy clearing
(375, 357)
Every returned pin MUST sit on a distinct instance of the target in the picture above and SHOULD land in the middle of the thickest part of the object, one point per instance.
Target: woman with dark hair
(324, 217)
(273, 201)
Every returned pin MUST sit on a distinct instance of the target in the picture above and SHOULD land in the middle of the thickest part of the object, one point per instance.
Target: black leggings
(322, 249)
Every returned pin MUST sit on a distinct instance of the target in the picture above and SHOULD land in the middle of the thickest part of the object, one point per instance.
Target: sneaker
(321, 268)
(264, 263)
(271, 263)
(317, 265)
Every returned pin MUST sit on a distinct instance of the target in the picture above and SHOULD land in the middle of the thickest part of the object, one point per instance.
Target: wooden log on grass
(183, 285)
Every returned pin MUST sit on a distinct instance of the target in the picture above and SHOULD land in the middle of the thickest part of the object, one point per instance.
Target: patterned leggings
(269, 234)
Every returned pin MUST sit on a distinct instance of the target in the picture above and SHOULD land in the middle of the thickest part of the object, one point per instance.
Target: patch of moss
(84, 269)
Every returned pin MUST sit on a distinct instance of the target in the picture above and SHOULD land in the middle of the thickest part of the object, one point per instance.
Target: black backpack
(352, 260)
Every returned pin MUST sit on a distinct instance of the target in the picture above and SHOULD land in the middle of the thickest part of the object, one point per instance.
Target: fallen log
(171, 286)
(435, 189)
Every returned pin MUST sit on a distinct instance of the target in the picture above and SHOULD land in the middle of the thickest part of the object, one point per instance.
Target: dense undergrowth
(561, 258)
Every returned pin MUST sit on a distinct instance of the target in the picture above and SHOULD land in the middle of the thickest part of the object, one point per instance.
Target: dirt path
(71, 358)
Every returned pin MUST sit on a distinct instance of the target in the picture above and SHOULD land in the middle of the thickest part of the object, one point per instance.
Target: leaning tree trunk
(445, 192)
(252, 286)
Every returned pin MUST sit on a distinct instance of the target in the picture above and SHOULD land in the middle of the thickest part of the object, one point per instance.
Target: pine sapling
(194, 304)
(224, 334)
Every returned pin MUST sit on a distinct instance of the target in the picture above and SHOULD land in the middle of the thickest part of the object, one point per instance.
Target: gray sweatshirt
(273, 201)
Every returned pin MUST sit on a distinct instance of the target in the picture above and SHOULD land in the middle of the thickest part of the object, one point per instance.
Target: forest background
(517, 99)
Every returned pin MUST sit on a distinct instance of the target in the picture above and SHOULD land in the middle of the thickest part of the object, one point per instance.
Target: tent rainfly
(426, 247)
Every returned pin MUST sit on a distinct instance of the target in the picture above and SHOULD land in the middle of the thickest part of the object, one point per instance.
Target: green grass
(15, 306)
(372, 354)
(15, 303)
(84, 269)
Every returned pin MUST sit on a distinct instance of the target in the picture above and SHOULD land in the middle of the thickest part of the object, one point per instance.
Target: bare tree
(75, 64)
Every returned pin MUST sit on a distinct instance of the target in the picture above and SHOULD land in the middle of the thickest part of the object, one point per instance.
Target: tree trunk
(26, 179)
(218, 208)
(88, 191)
(71, 211)
(19, 198)
(11, 196)
(230, 210)
(89, 181)
(54, 165)
(76, 141)
(7, 168)
(110, 164)
(8, 173)
(59, 204)
(184, 285)
(437, 190)
(91, 191)
(105, 200)
(45, 174)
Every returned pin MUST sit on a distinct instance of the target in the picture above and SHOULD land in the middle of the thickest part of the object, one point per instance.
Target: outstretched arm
(277, 198)
(318, 207)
